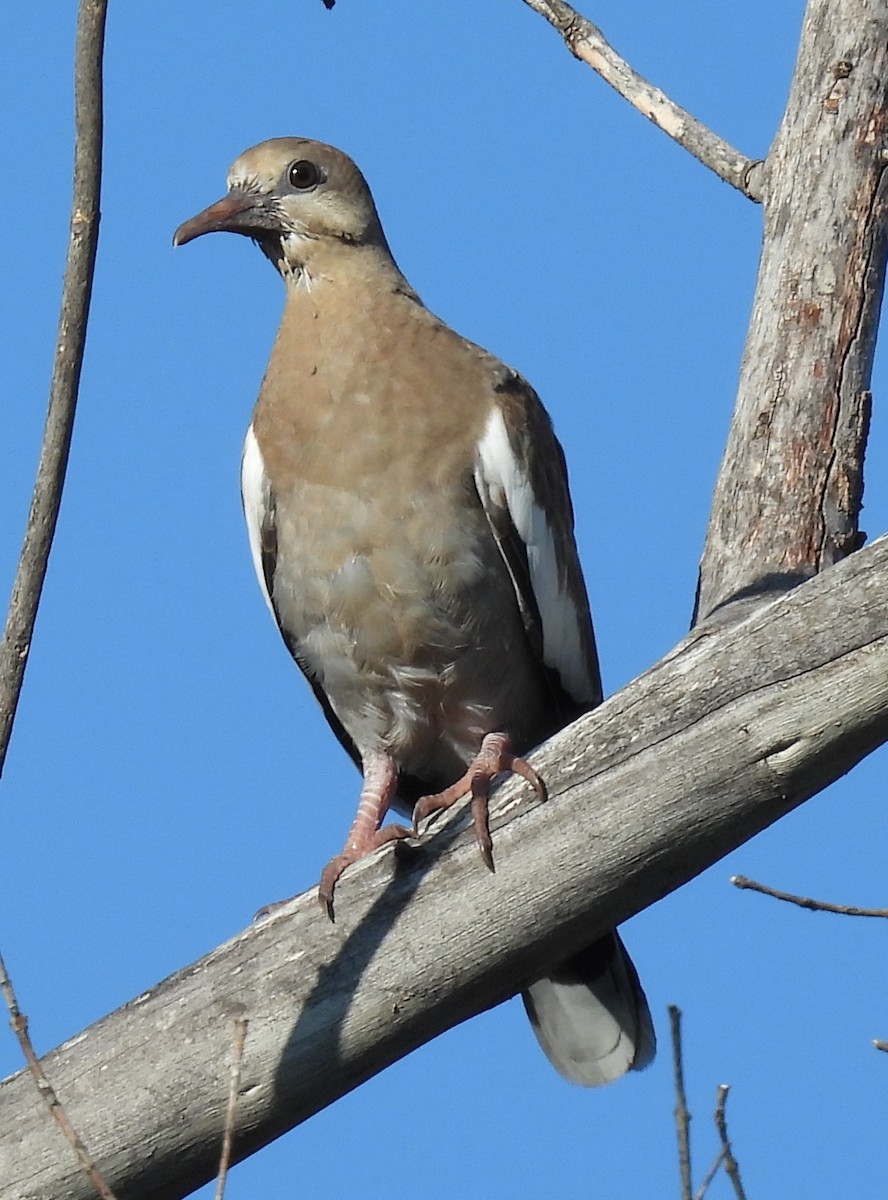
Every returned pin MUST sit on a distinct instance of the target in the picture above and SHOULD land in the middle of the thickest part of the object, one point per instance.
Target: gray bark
(788, 494)
(733, 729)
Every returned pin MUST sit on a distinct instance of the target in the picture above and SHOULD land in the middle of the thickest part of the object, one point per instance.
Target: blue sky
(169, 772)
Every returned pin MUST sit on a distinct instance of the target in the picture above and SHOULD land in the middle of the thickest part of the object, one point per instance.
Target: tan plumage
(410, 523)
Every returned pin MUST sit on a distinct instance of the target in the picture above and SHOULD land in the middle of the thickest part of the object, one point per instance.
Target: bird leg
(380, 781)
(493, 757)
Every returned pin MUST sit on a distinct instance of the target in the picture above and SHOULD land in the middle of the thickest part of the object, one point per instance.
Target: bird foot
(354, 850)
(493, 757)
(351, 853)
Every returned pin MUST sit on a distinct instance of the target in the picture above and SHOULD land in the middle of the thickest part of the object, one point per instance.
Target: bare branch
(682, 1116)
(847, 910)
(587, 43)
(788, 494)
(721, 1123)
(710, 1174)
(19, 1023)
(728, 733)
(237, 1056)
(47, 494)
(70, 341)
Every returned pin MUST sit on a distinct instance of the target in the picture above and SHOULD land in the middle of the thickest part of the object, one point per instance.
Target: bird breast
(385, 580)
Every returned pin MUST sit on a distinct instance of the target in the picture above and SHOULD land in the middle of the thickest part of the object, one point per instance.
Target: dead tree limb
(788, 494)
(586, 42)
(728, 733)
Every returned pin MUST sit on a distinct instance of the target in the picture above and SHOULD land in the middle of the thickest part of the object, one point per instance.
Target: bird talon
(485, 847)
(481, 819)
(329, 878)
(360, 842)
(520, 766)
(493, 758)
(427, 806)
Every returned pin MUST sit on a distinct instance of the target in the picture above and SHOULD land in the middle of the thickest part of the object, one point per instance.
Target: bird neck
(308, 263)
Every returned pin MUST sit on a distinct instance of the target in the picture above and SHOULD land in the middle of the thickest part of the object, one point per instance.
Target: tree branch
(732, 1169)
(19, 1023)
(788, 494)
(714, 1168)
(70, 342)
(680, 1112)
(587, 43)
(729, 732)
(47, 494)
(848, 910)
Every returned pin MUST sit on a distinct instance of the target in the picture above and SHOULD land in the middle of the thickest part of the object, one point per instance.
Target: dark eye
(304, 175)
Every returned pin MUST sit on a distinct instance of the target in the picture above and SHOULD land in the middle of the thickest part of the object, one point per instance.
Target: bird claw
(329, 877)
(493, 758)
(351, 854)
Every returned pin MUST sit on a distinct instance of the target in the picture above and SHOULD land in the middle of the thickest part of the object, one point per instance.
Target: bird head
(292, 196)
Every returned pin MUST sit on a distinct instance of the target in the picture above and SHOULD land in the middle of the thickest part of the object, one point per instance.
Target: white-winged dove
(409, 520)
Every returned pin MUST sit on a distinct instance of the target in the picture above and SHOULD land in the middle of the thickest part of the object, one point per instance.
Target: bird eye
(304, 175)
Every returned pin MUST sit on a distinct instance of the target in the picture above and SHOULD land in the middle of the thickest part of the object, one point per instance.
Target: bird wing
(521, 478)
(259, 514)
(589, 1014)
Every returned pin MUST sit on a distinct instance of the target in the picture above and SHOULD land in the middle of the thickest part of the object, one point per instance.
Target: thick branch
(724, 736)
(70, 341)
(587, 43)
(788, 494)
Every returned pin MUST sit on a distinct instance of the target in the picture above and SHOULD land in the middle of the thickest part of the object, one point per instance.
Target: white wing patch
(504, 478)
(255, 495)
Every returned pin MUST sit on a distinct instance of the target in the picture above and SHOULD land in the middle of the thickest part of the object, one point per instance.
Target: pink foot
(493, 757)
(380, 781)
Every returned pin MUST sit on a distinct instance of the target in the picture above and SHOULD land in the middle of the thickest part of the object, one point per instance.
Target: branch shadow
(742, 602)
(314, 1041)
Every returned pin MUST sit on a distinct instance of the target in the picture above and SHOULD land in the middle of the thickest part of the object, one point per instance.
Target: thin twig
(237, 1057)
(48, 485)
(710, 1174)
(70, 340)
(682, 1116)
(846, 910)
(731, 1168)
(19, 1023)
(587, 43)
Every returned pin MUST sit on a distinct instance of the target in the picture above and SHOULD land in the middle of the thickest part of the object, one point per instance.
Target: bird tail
(591, 1016)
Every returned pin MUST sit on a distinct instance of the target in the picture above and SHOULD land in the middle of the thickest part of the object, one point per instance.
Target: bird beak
(238, 212)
